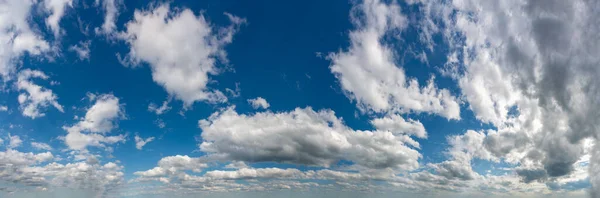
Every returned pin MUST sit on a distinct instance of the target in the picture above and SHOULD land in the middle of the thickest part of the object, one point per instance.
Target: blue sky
(428, 98)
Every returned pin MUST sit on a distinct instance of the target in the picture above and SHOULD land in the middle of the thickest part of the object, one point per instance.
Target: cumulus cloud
(259, 102)
(528, 68)
(182, 50)
(141, 142)
(57, 11)
(28, 172)
(173, 166)
(16, 35)
(368, 73)
(398, 125)
(100, 119)
(35, 98)
(303, 136)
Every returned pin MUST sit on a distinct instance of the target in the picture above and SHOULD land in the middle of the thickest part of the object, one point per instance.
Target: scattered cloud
(258, 103)
(100, 119)
(41, 146)
(57, 10)
(140, 142)
(17, 36)
(82, 50)
(35, 98)
(368, 73)
(181, 48)
(111, 9)
(160, 110)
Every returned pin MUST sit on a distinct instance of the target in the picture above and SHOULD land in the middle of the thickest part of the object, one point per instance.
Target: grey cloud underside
(538, 57)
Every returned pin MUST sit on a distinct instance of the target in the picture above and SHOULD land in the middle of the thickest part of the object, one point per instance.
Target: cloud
(182, 50)
(14, 141)
(3, 108)
(159, 110)
(173, 166)
(26, 171)
(41, 146)
(302, 136)
(111, 9)
(35, 98)
(82, 50)
(17, 36)
(57, 11)
(368, 73)
(140, 142)
(100, 119)
(399, 125)
(259, 102)
(531, 73)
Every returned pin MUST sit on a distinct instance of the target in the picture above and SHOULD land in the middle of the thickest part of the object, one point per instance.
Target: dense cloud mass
(303, 136)
(43, 171)
(530, 69)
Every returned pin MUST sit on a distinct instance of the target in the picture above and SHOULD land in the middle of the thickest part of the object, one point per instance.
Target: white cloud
(302, 136)
(369, 75)
(398, 125)
(3, 108)
(181, 48)
(14, 141)
(41, 146)
(173, 165)
(259, 103)
(35, 98)
(140, 142)
(251, 173)
(25, 171)
(160, 110)
(527, 68)
(82, 50)
(16, 35)
(57, 11)
(100, 119)
(111, 9)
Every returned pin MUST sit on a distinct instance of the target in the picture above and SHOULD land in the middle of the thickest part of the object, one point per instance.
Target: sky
(265, 98)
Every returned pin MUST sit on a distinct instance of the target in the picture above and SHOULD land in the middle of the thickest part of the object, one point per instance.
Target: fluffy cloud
(302, 136)
(173, 166)
(181, 48)
(140, 142)
(368, 72)
(399, 125)
(259, 102)
(528, 68)
(27, 172)
(100, 119)
(16, 35)
(57, 11)
(35, 98)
